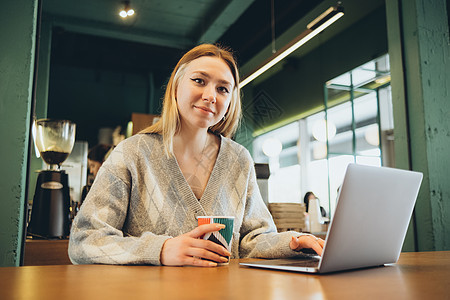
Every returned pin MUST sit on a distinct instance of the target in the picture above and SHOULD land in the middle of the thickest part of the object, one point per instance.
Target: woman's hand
(307, 241)
(189, 250)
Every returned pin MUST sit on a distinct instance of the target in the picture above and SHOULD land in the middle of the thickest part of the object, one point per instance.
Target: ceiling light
(123, 14)
(372, 135)
(319, 150)
(127, 10)
(272, 147)
(313, 28)
(321, 128)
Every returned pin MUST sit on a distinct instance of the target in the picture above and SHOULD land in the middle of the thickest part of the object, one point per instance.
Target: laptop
(369, 225)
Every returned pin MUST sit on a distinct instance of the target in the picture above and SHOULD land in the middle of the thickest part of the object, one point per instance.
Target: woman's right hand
(189, 250)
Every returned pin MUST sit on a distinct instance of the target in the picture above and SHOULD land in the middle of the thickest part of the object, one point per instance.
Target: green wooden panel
(420, 68)
(17, 44)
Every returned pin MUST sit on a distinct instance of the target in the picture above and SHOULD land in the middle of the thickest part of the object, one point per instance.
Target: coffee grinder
(50, 214)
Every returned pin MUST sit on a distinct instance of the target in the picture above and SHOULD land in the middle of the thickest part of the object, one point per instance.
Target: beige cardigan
(140, 199)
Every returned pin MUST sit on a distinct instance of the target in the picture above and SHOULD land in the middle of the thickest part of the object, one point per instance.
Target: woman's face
(204, 92)
(94, 166)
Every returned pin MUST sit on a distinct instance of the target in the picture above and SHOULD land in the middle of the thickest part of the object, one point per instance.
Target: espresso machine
(50, 214)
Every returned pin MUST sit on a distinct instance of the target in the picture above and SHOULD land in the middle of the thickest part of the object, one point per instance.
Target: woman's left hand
(307, 241)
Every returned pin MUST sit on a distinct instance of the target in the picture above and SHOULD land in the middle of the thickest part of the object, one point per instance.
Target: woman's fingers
(203, 229)
(321, 242)
(210, 246)
(317, 247)
(307, 241)
(188, 249)
(198, 262)
(206, 254)
(183, 250)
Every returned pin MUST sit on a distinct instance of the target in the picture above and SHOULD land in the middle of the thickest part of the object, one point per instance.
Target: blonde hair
(169, 123)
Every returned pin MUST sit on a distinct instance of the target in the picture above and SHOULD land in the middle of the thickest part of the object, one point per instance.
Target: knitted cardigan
(140, 199)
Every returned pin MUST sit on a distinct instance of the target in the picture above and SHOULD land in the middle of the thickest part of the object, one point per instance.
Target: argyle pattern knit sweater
(140, 199)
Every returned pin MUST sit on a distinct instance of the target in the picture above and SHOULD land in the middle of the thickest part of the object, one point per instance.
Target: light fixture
(321, 128)
(313, 28)
(127, 10)
(319, 150)
(272, 147)
(372, 135)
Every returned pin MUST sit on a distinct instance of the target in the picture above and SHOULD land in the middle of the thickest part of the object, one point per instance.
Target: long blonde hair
(169, 123)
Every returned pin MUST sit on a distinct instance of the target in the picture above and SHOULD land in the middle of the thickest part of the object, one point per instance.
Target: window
(279, 149)
(312, 154)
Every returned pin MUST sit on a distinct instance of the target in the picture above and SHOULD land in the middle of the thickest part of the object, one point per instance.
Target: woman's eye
(223, 90)
(197, 80)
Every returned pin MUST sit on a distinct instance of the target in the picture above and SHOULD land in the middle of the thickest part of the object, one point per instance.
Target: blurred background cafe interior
(371, 86)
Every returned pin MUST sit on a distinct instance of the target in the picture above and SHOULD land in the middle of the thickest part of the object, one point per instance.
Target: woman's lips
(205, 109)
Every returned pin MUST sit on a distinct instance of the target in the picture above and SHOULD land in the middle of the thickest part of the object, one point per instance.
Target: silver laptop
(369, 225)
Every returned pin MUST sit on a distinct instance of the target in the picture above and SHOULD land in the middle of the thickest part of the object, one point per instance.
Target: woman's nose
(209, 94)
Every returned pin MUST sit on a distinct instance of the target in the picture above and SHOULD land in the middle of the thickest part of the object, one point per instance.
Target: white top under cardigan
(140, 199)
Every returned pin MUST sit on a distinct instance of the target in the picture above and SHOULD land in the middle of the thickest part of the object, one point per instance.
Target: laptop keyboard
(302, 262)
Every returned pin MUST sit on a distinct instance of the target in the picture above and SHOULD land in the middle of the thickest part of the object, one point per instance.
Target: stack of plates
(288, 216)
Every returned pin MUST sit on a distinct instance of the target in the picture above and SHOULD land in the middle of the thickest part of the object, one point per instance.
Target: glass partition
(313, 153)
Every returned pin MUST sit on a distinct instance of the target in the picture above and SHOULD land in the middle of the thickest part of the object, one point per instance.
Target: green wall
(17, 45)
(420, 66)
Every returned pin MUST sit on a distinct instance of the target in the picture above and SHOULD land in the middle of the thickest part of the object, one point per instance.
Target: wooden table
(424, 275)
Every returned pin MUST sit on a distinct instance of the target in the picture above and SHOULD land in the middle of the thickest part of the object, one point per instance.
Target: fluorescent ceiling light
(313, 28)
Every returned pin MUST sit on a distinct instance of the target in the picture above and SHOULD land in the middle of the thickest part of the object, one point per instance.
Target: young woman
(143, 205)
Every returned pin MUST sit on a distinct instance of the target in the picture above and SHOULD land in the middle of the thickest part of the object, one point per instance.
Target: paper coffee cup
(223, 237)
